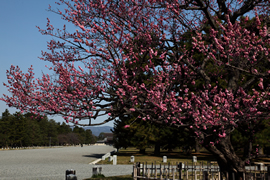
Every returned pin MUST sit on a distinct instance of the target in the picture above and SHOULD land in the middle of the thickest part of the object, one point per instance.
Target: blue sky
(20, 42)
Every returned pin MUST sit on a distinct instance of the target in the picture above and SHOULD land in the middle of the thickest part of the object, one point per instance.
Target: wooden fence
(192, 171)
(257, 172)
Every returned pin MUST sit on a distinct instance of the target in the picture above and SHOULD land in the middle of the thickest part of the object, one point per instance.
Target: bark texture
(229, 162)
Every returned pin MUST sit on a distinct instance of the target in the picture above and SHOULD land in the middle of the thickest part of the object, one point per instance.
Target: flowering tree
(200, 64)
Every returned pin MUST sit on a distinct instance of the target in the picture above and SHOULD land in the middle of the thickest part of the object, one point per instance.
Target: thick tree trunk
(188, 150)
(157, 148)
(230, 164)
(260, 150)
(170, 149)
(142, 151)
(248, 149)
(197, 146)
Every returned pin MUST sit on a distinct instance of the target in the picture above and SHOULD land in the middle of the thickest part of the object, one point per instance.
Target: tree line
(144, 134)
(22, 130)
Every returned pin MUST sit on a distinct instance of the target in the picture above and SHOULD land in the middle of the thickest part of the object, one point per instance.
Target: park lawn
(123, 157)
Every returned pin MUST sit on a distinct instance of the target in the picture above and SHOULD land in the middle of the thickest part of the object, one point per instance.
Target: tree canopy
(22, 130)
(205, 66)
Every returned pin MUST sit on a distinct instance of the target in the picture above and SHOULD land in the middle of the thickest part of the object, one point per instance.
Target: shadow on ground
(93, 155)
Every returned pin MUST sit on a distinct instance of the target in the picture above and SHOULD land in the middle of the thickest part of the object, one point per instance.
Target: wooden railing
(178, 171)
(193, 171)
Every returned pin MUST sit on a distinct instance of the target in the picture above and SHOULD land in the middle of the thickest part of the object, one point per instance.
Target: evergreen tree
(44, 130)
(33, 131)
(63, 131)
(101, 136)
(5, 128)
(63, 128)
(18, 130)
(143, 134)
(52, 132)
(89, 137)
(80, 132)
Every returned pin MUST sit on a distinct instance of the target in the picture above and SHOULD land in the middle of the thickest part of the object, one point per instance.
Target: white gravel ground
(52, 163)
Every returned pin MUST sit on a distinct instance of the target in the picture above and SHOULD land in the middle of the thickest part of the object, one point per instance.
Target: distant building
(108, 138)
(100, 142)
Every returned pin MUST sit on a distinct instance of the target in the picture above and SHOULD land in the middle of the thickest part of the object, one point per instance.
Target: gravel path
(52, 163)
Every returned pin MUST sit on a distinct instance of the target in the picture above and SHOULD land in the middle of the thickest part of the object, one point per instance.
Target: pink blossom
(126, 126)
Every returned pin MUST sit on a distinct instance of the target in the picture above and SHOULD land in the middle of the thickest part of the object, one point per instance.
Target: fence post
(114, 159)
(195, 172)
(148, 173)
(180, 170)
(205, 175)
(143, 173)
(132, 159)
(140, 169)
(152, 170)
(268, 171)
(169, 169)
(94, 170)
(173, 174)
(201, 170)
(134, 171)
(192, 170)
(209, 171)
(155, 170)
(161, 173)
(164, 159)
(186, 168)
(233, 176)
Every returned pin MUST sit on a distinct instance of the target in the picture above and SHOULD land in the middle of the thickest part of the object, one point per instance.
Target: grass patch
(123, 156)
(98, 176)
(125, 177)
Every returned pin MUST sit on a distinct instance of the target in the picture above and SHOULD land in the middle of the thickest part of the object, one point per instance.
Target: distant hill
(96, 130)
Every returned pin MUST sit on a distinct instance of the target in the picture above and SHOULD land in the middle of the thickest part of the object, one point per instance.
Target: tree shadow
(93, 155)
